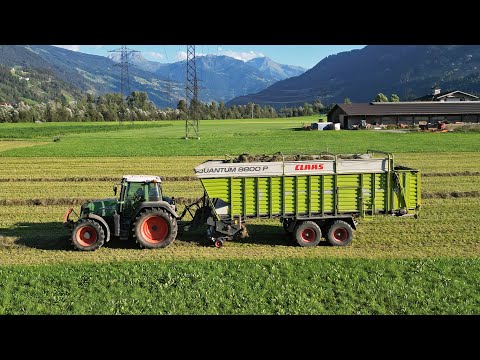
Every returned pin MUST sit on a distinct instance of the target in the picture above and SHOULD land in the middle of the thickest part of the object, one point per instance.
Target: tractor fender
(157, 204)
(103, 222)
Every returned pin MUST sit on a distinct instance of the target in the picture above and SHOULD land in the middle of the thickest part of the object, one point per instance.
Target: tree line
(137, 106)
(380, 97)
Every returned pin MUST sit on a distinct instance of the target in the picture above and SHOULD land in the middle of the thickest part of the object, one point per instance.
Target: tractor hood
(102, 207)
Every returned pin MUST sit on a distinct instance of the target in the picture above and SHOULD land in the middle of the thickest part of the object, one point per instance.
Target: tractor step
(124, 235)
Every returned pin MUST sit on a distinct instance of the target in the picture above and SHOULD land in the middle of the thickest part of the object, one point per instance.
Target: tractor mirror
(115, 189)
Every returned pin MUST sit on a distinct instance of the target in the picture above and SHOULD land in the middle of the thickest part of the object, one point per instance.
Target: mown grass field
(394, 266)
(34, 235)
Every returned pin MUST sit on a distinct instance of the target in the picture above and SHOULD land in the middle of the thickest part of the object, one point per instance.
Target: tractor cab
(136, 189)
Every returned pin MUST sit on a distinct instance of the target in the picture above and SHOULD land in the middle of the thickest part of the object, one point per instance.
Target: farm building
(438, 95)
(407, 113)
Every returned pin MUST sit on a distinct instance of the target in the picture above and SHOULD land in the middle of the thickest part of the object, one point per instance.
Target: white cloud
(240, 55)
(69, 47)
(182, 55)
(153, 54)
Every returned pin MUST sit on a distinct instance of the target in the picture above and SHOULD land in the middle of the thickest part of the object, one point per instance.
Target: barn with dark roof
(407, 113)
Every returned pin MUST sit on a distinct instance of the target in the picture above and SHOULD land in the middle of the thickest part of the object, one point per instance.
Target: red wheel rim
(340, 234)
(154, 229)
(218, 244)
(308, 235)
(86, 236)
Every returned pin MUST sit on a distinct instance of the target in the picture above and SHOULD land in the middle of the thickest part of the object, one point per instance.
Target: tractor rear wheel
(88, 235)
(307, 233)
(155, 229)
(340, 233)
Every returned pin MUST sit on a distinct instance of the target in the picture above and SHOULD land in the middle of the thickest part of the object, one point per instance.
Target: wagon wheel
(308, 233)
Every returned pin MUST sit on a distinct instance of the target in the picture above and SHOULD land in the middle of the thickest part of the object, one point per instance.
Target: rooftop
(409, 108)
(142, 178)
(433, 97)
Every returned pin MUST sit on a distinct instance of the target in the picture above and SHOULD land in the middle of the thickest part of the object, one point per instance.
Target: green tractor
(141, 213)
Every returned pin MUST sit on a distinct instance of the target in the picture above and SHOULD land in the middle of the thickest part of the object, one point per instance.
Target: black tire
(307, 233)
(340, 233)
(154, 229)
(218, 243)
(88, 235)
(286, 224)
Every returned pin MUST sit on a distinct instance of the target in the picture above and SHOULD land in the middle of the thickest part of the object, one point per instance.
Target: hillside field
(394, 265)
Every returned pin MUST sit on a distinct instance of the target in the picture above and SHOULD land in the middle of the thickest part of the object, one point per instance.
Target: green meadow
(220, 137)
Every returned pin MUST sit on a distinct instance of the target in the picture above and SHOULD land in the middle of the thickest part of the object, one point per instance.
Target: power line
(170, 100)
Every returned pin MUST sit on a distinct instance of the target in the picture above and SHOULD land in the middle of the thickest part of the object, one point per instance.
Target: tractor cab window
(154, 193)
(132, 195)
(135, 191)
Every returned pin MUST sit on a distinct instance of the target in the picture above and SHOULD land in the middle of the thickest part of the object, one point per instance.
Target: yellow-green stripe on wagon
(312, 188)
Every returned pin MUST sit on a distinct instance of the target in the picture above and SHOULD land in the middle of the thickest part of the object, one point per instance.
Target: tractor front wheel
(155, 229)
(88, 235)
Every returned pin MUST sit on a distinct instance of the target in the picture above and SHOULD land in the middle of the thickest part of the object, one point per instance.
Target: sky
(306, 56)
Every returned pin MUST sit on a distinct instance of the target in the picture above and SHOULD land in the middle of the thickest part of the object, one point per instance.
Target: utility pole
(191, 96)
(252, 110)
(124, 65)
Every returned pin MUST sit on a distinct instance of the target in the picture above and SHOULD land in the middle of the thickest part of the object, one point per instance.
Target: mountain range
(71, 73)
(409, 71)
(220, 77)
(406, 70)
